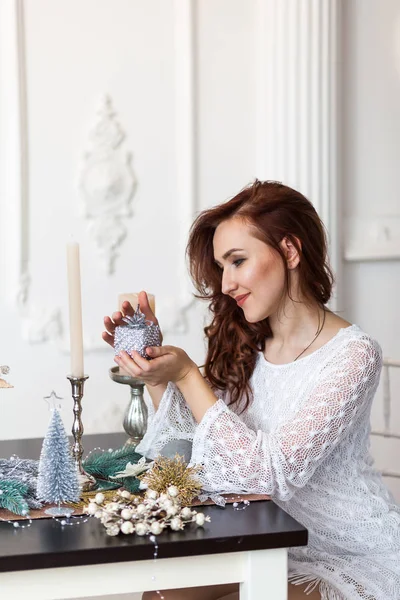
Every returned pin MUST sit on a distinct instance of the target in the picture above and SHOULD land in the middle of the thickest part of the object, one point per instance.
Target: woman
(284, 406)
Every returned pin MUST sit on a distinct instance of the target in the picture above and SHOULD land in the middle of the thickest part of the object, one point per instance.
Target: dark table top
(47, 544)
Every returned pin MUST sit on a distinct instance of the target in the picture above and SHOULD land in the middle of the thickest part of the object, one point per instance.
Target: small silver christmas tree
(58, 478)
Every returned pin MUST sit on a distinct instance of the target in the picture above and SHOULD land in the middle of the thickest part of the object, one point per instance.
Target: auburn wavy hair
(274, 211)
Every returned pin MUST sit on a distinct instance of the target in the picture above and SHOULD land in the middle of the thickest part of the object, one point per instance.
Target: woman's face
(253, 273)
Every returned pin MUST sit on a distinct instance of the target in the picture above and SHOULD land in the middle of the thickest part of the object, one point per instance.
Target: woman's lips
(242, 299)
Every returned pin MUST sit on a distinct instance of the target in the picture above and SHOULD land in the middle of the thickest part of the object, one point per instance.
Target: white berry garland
(148, 514)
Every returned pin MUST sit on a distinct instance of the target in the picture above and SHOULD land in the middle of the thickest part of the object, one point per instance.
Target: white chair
(387, 432)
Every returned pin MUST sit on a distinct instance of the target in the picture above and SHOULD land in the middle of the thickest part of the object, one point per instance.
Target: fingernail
(149, 350)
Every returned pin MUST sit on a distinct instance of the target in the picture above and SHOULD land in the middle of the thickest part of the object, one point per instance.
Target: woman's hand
(115, 320)
(169, 364)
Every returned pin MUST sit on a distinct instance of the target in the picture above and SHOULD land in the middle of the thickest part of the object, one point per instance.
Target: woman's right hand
(115, 320)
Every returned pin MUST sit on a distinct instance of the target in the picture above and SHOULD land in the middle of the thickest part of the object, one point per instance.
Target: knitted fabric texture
(304, 440)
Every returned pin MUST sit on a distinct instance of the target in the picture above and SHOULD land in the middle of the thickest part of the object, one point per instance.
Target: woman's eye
(238, 262)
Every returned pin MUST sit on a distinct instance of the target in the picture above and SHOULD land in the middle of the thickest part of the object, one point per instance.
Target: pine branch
(131, 484)
(25, 471)
(106, 484)
(105, 464)
(12, 497)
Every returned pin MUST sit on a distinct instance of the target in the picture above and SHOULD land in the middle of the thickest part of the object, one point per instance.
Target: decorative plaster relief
(173, 315)
(107, 184)
(42, 325)
(23, 289)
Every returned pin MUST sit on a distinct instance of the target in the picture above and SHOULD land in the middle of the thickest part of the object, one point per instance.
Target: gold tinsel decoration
(173, 471)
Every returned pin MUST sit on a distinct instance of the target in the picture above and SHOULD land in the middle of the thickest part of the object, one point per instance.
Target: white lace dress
(305, 441)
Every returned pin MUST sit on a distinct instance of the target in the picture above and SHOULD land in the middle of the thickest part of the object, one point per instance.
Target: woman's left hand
(169, 364)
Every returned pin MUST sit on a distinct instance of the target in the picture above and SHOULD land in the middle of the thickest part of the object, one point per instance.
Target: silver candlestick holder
(86, 481)
(135, 417)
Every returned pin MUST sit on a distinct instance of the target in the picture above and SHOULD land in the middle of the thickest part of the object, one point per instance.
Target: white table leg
(266, 576)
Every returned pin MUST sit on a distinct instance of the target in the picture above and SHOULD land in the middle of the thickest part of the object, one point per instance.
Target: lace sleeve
(172, 421)
(238, 459)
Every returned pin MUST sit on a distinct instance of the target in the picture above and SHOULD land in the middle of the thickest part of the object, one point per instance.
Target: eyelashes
(238, 262)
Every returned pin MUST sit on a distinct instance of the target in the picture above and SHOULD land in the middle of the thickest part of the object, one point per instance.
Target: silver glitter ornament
(138, 334)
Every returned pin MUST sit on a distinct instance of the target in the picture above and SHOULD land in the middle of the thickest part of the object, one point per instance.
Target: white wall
(189, 83)
(74, 54)
(171, 69)
(371, 199)
(206, 95)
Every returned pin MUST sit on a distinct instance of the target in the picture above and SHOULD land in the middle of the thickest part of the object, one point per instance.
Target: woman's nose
(228, 284)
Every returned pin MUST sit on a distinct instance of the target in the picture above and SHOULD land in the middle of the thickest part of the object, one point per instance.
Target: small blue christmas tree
(58, 478)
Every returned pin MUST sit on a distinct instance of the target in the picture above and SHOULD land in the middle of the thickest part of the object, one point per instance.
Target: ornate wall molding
(172, 310)
(107, 184)
(372, 239)
(108, 191)
(297, 106)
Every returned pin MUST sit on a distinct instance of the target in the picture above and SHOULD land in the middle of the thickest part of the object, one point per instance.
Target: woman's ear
(291, 252)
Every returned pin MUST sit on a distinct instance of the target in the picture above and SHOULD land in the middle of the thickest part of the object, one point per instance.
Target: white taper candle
(75, 309)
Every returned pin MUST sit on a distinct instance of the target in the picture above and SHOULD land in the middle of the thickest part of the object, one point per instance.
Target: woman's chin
(250, 318)
(254, 318)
